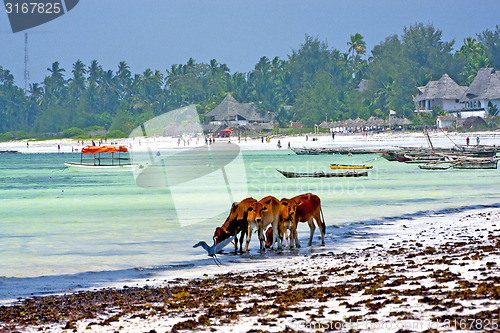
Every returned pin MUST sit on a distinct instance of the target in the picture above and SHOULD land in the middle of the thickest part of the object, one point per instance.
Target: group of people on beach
(467, 141)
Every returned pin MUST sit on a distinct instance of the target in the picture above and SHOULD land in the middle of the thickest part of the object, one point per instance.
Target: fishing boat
(435, 166)
(102, 158)
(349, 166)
(322, 174)
(463, 163)
(479, 164)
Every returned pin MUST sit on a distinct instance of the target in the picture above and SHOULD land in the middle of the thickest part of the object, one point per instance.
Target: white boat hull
(91, 167)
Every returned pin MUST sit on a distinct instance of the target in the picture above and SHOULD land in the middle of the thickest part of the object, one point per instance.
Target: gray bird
(214, 249)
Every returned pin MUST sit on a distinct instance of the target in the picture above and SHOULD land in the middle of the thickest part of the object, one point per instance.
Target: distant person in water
(467, 141)
(477, 141)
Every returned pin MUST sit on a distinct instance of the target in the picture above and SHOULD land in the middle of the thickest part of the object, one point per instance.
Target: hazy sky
(158, 33)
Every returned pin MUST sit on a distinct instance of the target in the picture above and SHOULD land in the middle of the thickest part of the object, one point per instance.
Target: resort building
(445, 93)
(446, 122)
(242, 117)
(230, 111)
(482, 97)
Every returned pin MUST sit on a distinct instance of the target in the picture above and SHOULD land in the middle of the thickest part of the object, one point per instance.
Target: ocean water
(55, 222)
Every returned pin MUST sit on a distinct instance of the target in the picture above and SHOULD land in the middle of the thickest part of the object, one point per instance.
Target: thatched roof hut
(486, 86)
(444, 88)
(230, 110)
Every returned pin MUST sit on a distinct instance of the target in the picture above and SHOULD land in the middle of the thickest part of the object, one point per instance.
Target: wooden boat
(395, 156)
(471, 164)
(465, 163)
(108, 161)
(349, 166)
(435, 166)
(321, 174)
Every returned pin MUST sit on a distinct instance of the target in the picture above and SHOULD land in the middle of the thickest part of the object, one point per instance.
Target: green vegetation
(315, 83)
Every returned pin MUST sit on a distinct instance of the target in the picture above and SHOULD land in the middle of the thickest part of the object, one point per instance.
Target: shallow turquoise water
(54, 221)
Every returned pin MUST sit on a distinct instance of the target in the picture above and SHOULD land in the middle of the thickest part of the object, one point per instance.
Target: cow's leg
(321, 226)
(235, 244)
(275, 225)
(249, 236)
(260, 229)
(242, 238)
(287, 238)
(294, 235)
(312, 227)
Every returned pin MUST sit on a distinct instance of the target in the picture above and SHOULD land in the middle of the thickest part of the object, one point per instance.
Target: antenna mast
(26, 63)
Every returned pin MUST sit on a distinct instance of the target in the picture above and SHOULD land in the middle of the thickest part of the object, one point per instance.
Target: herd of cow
(281, 215)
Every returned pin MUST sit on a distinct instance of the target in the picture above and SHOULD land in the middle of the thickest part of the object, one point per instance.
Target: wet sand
(429, 274)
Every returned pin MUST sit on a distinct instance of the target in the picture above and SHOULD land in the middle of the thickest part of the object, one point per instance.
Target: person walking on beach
(467, 141)
(477, 141)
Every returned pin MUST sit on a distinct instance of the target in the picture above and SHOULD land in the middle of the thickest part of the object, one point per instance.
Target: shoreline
(430, 272)
(383, 140)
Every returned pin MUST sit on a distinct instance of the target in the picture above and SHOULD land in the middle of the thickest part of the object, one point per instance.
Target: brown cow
(236, 222)
(303, 208)
(261, 214)
(284, 224)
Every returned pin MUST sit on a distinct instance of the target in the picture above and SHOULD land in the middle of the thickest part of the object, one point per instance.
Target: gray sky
(158, 33)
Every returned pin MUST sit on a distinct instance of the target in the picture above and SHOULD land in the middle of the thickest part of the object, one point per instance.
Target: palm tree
(357, 45)
(77, 83)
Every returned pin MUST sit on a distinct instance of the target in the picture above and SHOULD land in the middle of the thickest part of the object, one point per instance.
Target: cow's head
(284, 209)
(292, 209)
(255, 211)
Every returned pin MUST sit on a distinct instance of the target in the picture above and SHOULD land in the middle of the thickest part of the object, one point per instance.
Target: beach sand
(435, 273)
(383, 140)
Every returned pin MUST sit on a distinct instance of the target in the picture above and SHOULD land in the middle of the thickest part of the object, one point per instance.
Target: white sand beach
(357, 140)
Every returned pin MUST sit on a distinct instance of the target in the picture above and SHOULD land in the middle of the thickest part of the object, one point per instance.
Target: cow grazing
(235, 223)
(261, 214)
(302, 208)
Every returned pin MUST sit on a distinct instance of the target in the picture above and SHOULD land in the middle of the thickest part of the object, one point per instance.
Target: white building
(444, 93)
(482, 96)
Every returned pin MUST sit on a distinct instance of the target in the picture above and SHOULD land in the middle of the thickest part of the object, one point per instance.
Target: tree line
(315, 83)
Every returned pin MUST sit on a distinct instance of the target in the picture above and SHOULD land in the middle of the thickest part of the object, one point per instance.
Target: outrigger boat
(321, 174)
(349, 166)
(108, 161)
(464, 163)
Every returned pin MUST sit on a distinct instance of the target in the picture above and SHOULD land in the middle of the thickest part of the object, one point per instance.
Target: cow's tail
(324, 223)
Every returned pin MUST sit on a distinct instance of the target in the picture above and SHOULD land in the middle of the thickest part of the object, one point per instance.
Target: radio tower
(26, 63)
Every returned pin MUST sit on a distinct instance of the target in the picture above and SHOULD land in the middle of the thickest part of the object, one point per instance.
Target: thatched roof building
(486, 86)
(232, 111)
(444, 93)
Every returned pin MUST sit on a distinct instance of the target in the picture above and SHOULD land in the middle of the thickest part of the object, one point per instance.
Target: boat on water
(464, 163)
(435, 166)
(349, 166)
(468, 164)
(322, 174)
(102, 158)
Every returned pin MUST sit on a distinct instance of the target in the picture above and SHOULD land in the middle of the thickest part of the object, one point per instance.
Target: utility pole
(26, 63)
